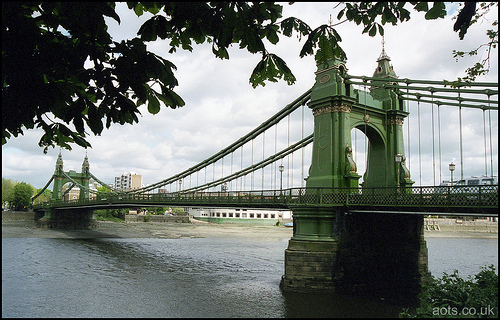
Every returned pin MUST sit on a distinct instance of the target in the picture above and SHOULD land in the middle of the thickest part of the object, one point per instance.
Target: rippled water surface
(190, 277)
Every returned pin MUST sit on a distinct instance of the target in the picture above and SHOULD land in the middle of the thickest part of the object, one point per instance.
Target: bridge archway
(374, 157)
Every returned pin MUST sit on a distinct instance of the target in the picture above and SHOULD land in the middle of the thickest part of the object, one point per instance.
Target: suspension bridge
(341, 223)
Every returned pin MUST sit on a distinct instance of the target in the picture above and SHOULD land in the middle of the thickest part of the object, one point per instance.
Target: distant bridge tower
(75, 218)
(61, 178)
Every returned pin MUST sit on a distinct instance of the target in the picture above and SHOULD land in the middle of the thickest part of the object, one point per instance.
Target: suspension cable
(303, 150)
(485, 150)
(491, 146)
(365, 118)
(419, 145)
(439, 143)
(409, 141)
(251, 184)
(268, 161)
(461, 144)
(275, 150)
(241, 168)
(288, 157)
(43, 189)
(263, 156)
(433, 152)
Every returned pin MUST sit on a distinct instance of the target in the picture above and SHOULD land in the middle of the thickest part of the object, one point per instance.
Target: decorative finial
(383, 55)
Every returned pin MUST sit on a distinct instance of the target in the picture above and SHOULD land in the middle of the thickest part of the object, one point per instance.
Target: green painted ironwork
(338, 108)
(444, 199)
(61, 178)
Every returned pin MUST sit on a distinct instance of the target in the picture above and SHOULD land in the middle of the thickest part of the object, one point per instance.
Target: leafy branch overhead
(62, 71)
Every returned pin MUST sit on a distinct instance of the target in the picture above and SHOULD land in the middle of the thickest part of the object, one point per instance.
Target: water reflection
(318, 305)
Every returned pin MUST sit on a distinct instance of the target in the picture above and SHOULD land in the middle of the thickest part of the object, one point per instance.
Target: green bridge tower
(371, 253)
(75, 218)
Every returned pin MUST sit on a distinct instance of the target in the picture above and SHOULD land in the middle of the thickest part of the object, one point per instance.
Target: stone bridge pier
(370, 254)
(67, 219)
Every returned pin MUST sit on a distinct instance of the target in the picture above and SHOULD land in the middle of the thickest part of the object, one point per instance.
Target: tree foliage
(468, 16)
(452, 296)
(22, 193)
(62, 71)
(116, 215)
(44, 197)
(7, 191)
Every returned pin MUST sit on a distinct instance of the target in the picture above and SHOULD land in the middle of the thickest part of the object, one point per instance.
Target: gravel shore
(28, 229)
(195, 229)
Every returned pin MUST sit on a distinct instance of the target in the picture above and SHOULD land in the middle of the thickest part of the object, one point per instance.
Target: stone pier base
(376, 254)
(68, 219)
(309, 266)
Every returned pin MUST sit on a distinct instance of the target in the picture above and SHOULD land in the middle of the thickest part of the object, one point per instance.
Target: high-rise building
(128, 181)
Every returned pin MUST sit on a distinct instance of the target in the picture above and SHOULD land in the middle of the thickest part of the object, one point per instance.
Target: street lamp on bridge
(281, 168)
(399, 159)
(451, 166)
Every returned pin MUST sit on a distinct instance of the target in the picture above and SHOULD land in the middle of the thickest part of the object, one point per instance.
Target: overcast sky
(221, 105)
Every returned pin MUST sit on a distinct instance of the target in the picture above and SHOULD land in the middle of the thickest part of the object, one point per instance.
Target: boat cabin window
(487, 182)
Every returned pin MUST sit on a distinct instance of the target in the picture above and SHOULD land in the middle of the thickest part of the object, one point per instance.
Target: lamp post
(180, 184)
(281, 168)
(451, 166)
(399, 159)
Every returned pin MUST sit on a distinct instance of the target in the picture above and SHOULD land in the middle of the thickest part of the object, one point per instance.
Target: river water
(188, 277)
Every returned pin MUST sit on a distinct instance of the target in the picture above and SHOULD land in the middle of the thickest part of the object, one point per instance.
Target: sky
(221, 106)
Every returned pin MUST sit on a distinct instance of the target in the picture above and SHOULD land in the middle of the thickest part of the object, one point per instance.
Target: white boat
(240, 215)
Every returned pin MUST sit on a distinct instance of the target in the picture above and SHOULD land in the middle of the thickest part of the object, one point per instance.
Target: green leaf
(309, 44)
(271, 68)
(438, 10)
(341, 13)
(373, 31)
(138, 9)
(110, 11)
(148, 30)
(380, 29)
(94, 120)
(422, 6)
(271, 33)
(153, 105)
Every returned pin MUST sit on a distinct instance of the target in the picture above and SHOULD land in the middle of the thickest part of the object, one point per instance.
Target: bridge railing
(433, 196)
(445, 197)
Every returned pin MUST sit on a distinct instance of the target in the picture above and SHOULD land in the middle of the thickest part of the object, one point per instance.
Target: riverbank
(105, 229)
(198, 229)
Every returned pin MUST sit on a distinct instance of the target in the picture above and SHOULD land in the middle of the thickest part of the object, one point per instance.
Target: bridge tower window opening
(359, 150)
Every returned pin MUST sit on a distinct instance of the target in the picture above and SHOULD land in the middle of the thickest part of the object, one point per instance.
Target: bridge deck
(482, 200)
